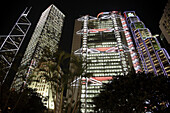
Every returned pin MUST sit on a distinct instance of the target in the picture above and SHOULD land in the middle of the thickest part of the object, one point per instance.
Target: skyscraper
(107, 50)
(10, 46)
(153, 58)
(164, 27)
(46, 34)
(164, 23)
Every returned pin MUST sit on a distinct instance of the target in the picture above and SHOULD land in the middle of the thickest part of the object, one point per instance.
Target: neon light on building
(153, 58)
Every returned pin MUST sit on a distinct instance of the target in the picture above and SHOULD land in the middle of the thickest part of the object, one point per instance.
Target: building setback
(46, 34)
(107, 49)
(153, 58)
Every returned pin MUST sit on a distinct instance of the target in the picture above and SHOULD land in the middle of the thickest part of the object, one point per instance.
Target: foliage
(27, 102)
(135, 94)
(54, 67)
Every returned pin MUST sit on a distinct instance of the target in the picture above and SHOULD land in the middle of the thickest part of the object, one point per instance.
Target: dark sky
(149, 11)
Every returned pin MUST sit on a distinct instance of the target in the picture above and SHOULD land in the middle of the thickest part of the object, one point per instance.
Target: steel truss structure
(10, 44)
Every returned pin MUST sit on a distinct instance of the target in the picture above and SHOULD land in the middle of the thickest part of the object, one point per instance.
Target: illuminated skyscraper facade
(153, 58)
(164, 23)
(107, 50)
(46, 34)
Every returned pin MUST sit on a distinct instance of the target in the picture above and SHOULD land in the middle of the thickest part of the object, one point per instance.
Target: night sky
(149, 12)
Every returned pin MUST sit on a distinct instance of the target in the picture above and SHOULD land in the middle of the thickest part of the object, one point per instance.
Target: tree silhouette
(29, 102)
(134, 93)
